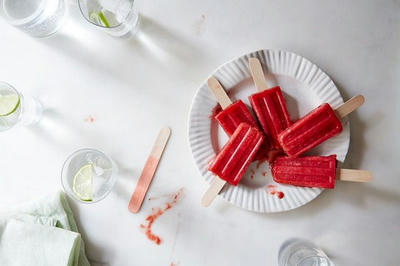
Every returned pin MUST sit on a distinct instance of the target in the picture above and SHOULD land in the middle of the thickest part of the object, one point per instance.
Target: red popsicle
(231, 117)
(268, 105)
(314, 171)
(233, 160)
(317, 126)
(233, 113)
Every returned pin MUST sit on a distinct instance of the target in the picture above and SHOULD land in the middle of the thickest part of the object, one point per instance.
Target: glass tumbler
(118, 18)
(88, 175)
(300, 252)
(16, 109)
(39, 18)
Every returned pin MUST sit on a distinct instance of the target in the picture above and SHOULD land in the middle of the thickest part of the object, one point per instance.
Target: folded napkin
(41, 233)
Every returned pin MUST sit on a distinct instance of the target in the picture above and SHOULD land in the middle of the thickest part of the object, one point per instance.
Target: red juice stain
(215, 111)
(89, 119)
(271, 189)
(157, 212)
(252, 173)
(264, 173)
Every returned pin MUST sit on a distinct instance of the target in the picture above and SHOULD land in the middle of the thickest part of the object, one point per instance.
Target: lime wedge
(83, 183)
(99, 19)
(8, 104)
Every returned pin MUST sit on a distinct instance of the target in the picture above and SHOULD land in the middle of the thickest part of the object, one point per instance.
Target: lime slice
(8, 104)
(99, 19)
(83, 183)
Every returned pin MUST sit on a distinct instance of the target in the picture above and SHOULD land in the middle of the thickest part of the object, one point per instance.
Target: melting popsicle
(314, 171)
(233, 160)
(233, 113)
(268, 105)
(317, 126)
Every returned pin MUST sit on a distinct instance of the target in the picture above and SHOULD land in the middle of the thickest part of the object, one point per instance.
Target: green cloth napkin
(41, 233)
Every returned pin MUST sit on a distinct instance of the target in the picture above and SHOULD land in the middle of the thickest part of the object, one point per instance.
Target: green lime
(8, 104)
(83, 183)
(99, 19)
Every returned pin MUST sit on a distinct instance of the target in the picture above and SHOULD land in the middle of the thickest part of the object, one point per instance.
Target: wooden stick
(219, 92)
(223, 99)
(349, 106)
(353, 175)
(149, 170)
(258, 74)
(216, 186)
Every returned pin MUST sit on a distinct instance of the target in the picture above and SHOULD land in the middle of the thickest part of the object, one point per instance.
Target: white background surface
(133, 88)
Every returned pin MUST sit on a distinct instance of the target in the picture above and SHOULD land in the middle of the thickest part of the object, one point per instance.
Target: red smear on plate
(252, 173)
(271, 189)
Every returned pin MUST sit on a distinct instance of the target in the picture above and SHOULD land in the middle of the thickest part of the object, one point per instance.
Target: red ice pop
(233, 113)
(233, 160)
(268, 105)
(317, 126)
(314, 171)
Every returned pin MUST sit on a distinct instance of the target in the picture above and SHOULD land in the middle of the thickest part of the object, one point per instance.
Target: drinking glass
(39, 18)
(300, 252)
(88, 175)
(119, 18)
(17, 109)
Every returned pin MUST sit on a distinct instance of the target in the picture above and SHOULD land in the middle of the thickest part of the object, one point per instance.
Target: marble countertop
(131, 88)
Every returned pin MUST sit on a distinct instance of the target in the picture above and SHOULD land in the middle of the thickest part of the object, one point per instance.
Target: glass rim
(11, 87)
(21, 21)
(101, 26)
(69, 157)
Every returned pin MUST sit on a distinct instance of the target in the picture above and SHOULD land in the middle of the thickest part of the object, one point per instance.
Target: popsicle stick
(353, 175)
(219, 92)
(258, 74)
(216, 186)
(223, 99)
(349, 106)
(149, 170)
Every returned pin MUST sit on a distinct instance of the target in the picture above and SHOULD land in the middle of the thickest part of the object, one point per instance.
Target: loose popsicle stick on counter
(317, 126)
(314, 171)
(149, 170)
(268, 104)
(233, 113)
(232, 161)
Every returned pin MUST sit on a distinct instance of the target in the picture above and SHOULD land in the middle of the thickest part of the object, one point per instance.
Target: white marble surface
(133, 88)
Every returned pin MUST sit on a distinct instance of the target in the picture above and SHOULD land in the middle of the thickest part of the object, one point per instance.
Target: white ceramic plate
(305, 86)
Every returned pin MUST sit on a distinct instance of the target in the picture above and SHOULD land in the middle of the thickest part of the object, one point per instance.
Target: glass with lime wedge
(117, 18)
(17, 109)
(88, 175)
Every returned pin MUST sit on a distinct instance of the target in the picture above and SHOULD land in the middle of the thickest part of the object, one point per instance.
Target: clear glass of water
(300, 252)
(39, 18)
(119, 18)
(88, 175)
(16, 109)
